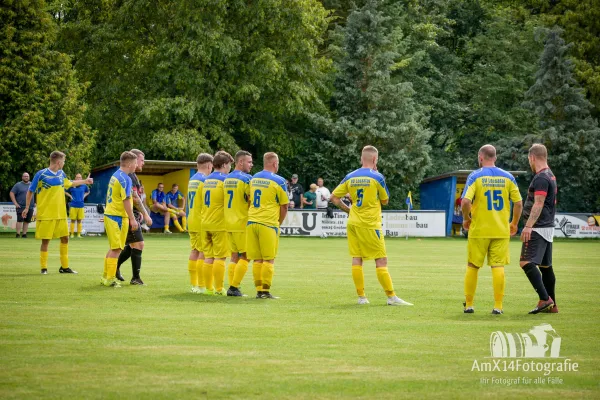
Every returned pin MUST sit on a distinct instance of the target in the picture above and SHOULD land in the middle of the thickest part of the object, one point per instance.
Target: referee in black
(134, 244)
(537, 236)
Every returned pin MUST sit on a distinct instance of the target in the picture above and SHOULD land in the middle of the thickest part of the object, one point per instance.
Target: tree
(370, 106)
(567, 128)
(40, 98)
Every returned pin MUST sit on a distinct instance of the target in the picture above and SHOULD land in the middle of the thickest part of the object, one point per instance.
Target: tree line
(427, 82)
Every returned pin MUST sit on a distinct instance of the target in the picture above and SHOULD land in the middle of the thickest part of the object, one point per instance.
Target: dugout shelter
(442, 192)
(155, 172)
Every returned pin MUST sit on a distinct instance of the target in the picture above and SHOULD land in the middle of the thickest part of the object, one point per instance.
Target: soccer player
(196, 259)
(486, 211)
(368, 191)
(268, 208)
(214, 234)
(537, 236)
(237, 195)
(134, 244)
(118, 215)
(159, 205)
(76, 205)
(172, 200)
(49, 186)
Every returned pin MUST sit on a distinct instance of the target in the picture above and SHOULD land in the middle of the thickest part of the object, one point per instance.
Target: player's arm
(536, 211)
(27, 203)
(139, 205)
(129, 210)
(87, 181)
(465, 206)
(283, 210)
(336, 197)
(517, 210)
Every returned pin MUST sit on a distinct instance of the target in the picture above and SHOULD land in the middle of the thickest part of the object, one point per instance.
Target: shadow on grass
(198, 298)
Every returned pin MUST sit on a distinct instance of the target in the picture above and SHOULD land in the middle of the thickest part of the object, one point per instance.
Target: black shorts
(134, 236)
(20, 215)
(537, 250)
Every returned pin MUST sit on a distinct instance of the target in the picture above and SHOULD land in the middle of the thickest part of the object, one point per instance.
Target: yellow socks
(72, 228)
(43, 259)
(208, 276)
(266, 275)
(219, 274)
(230, 272)
(240, 271)
(105, 273)
(359, 279)
(79, 227)
(111, 268)
(471, 285)
(177, 224)
(184, 223)
(256, 272)
(498, 283)
(192, 271)
(385, 280)
(200, 272)
(64, 255)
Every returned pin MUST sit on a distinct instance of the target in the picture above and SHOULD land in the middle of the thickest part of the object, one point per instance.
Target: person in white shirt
(323, 194)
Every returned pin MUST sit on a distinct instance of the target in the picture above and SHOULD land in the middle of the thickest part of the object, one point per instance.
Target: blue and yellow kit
(237, 192)
(116, 221)
(49, 188)
(76, 210)
(214, 234)
(194, 204)
(367, 189)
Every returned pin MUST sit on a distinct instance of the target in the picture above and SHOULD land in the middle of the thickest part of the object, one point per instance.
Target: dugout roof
(153, 167)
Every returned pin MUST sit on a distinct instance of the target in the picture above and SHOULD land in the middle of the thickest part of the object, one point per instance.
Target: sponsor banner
(394, 223)
(93, 221)
(577, 225)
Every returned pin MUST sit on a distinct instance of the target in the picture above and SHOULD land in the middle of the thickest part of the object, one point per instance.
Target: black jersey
(543, 183)
(136, 186)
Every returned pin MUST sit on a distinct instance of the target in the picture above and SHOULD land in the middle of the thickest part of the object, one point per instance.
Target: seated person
(159, 206)
(172, 199)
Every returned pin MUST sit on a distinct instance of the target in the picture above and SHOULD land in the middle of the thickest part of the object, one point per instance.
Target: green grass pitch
(65, 336)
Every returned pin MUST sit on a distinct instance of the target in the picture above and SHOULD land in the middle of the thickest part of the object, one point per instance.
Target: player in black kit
(537, 236)
(134, 243)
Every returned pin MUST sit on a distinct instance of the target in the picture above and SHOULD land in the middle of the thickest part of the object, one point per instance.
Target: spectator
(323, 194)
(297, 192)
(288, 186)
(143, 198)
(291, 204)
(18, 195)
(310, 198)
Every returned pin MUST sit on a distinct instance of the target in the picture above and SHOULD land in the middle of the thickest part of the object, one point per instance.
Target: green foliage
(40, 107)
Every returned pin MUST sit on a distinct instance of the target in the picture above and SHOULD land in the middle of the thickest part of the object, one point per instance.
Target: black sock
(535, 277)
(549, 281)
(125, 254)
(136, 262)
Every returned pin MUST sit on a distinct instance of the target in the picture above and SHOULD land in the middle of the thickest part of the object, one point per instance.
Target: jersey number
(359, 197)
(191, 196)
(207, 199)
(230, 193)
(109, 196)
(494, 200)
(256, 202)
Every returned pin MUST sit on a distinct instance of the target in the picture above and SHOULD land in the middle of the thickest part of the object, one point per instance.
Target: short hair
(56, 156)
(204, 158)
(160, 183)
(313, 186)
(137, 152)
(488, 152)
(538, 150)
(370, 151)
(127, 156)
(221, 158)
(269, 157)
(242, 153)
(172, 186)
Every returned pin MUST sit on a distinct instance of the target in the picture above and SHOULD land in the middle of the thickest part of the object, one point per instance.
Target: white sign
(394, 223)
(93, 222)
(577, 225)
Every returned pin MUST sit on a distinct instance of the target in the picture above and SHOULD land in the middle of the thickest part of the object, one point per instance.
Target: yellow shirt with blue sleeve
(367, 189)
(119, 189)
(237, 193)
(268, 193)
(212, 204)
(491, 190)
(49, 188)
(195, 186)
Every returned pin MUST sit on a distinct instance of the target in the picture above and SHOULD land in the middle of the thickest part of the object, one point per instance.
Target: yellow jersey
(367, 188)
(237, 193)
(491, 190)
(49, 188)
(119, 189)
(212, 204)
(195, 186)
(267, 193)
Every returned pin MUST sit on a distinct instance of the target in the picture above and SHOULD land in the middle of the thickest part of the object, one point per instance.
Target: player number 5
(359, 197)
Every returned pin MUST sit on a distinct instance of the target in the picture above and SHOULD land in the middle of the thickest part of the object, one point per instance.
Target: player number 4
(207, 199)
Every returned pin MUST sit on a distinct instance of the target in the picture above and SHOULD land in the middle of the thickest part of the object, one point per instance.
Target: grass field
(65, 336)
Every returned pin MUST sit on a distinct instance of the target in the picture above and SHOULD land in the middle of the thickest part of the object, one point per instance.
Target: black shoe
(119, 276)
(469, 310)
(44, 271)
(495, 311)
(137, 281)
(18, 235)
(66, 271)
(267, 295)
(24, 236)
(259, 295)
(234, 292)
(542, 305)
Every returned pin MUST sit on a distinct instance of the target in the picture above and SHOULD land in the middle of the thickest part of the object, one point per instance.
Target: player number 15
(494, 200)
